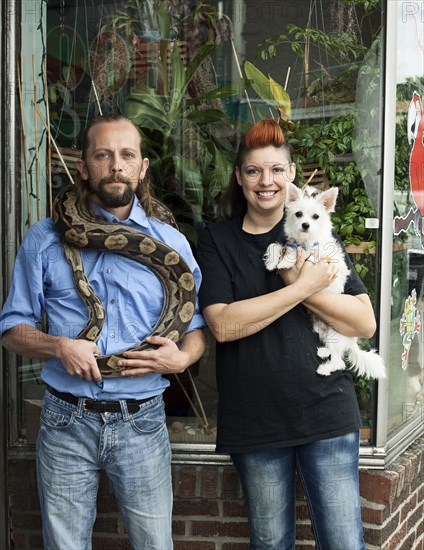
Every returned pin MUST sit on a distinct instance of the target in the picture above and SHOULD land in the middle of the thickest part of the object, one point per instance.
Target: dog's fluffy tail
(366, 363)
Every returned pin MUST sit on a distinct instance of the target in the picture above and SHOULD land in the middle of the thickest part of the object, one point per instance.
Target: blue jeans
(74, 445)
(328, 471)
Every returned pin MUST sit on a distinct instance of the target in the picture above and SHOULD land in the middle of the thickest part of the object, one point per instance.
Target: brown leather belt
(133, 405)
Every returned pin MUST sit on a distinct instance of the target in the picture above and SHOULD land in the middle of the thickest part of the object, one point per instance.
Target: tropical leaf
(269, 90)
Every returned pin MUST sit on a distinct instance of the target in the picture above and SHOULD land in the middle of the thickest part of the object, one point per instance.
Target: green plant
(190, 150)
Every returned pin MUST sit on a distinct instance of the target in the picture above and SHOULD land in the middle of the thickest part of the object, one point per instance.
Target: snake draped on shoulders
(80, 229)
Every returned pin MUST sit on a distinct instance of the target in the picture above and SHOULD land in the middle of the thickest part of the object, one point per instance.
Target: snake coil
(80, 229)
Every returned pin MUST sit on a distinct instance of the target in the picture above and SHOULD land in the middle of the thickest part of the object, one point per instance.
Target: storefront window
(81, 59)
(406, 388)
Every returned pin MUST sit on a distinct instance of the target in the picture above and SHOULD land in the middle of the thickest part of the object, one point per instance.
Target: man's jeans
(328, 471)
(74, 445)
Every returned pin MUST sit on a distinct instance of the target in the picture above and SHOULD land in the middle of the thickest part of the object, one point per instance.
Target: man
(88, 424)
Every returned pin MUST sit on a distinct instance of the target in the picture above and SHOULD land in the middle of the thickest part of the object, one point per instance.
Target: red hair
(263, 133)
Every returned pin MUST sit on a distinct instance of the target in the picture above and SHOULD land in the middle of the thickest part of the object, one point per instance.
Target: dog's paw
(272, 256)
(285, 263)
(325, 369)
(323, 353)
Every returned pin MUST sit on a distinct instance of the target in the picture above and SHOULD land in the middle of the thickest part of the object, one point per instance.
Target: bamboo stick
(287, 79)
(193, 406)
(24, 145)
(37, 175)
(54, 145)
(49, 156)
(205, 418)
(241, 76)
(310, 177)
(97, 97)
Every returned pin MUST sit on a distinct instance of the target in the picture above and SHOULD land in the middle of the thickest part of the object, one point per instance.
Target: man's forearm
(30, 342)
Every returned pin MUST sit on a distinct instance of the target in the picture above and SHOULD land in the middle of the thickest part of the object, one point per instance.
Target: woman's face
(263, 177)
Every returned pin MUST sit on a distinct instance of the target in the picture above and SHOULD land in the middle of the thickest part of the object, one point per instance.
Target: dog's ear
(328, 198)
(293, 193)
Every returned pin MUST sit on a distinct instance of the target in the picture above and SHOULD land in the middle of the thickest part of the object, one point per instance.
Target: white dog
(308, 224)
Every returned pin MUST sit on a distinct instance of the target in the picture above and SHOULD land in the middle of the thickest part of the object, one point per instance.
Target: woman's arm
(237, 320)
(347, 314)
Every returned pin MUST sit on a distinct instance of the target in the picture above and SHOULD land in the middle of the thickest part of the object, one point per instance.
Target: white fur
(308, 224)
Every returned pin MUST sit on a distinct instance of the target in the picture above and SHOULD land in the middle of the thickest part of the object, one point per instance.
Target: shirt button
(112, 301)
(112, 335)
(108, 270)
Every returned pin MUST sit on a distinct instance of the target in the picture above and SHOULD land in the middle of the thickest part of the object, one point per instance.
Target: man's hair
(261, 134)
(144, 189)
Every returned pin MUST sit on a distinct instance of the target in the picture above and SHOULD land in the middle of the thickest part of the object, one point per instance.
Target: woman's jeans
(74, 445)
(328, 471)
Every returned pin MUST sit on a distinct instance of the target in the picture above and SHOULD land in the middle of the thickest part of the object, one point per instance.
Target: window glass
(324, 60)
(406, 388)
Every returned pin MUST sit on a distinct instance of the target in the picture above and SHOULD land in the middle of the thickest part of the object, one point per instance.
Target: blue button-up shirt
(130, 292)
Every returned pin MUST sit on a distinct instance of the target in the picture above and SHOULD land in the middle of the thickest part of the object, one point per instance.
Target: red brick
(186, 483)
(378, 486)
(106, 524)
(401, 470)
(416, 518)
(406, 509)
(209, 482)
(302, 512)
(231, 485)
(235, 546)
(106, 504)
(179, 527)
(193, 545)
(234, 508)
(195, 507)
(110, 543)
(392, 542)
(234, 529)
(408, 544)
(304, 531)
(375, 515)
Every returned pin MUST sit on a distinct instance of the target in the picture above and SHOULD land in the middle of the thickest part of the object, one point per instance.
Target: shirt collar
(137, 214)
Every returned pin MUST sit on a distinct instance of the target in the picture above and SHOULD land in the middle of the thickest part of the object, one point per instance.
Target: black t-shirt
(270, 394)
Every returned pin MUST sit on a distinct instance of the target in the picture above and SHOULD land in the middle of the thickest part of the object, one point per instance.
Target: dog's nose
(305, 226)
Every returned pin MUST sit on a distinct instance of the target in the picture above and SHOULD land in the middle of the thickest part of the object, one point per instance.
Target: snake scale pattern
(81, 230)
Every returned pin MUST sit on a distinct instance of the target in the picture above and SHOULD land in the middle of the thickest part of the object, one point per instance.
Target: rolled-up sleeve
(25, 302)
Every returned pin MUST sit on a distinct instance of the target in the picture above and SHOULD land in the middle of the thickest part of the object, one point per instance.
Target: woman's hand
(314, 276)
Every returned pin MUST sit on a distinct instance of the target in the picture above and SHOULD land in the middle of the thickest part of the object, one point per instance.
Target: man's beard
(115, 197)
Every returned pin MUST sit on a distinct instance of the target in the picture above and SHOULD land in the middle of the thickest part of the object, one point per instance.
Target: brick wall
(210, 514)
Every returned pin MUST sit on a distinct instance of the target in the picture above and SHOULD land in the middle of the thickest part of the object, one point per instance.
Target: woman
(276, 414)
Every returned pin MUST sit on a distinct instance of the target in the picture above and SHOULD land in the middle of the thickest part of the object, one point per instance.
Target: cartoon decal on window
(415, 133)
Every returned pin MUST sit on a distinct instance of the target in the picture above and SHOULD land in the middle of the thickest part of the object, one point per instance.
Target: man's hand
(167, 358)
(78, 358)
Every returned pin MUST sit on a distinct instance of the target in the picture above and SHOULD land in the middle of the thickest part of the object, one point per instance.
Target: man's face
(113, 164)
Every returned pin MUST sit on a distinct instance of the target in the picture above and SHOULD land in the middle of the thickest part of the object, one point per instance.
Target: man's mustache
(117, 177)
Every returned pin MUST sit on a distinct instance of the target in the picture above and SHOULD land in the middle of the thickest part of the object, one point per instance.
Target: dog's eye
(298, 214)
(315, 217)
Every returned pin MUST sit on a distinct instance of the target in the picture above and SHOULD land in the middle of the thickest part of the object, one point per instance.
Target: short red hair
(262, 134)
